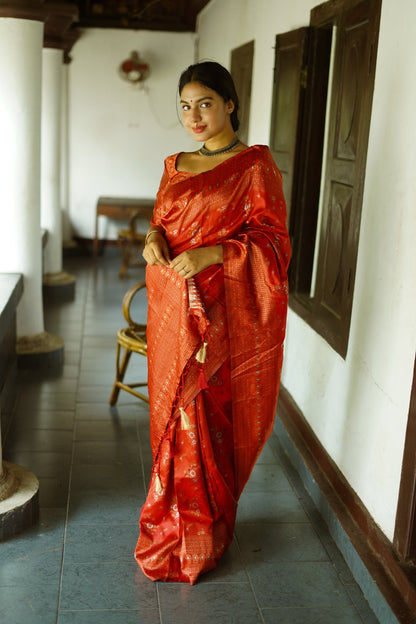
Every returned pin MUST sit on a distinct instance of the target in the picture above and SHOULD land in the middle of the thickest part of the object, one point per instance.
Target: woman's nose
(196, 115)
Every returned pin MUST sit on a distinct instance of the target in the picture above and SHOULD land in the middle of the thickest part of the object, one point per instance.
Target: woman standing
(217, 254)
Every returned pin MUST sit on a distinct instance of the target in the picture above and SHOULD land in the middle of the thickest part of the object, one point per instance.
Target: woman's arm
(193, 261)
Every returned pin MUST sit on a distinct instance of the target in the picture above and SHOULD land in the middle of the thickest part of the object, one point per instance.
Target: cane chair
(131, 339)
(130, 242)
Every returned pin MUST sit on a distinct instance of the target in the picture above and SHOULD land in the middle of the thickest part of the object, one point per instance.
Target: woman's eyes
(186, 107)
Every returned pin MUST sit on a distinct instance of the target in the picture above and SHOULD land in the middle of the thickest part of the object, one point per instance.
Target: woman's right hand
(156, 250)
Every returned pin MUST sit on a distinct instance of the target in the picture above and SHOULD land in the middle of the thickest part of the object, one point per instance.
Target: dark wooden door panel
(289, 85)
(241, 71)
(334, 276)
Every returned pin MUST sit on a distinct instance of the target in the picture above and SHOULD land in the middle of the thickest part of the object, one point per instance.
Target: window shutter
(241, 71)
(290, 78)
(345, 170)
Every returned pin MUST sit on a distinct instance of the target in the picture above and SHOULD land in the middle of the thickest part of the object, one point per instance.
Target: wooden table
(121, 208)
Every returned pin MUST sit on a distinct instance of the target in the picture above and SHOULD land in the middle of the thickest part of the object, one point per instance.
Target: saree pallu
(215, 348)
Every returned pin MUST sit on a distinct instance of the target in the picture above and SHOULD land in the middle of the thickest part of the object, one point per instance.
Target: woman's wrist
(151, 231)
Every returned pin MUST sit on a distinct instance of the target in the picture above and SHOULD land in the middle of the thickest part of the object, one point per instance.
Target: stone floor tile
(230, 568)
(206, 603)
(298, 584)
(343, 615)
(53, 492)
(140, 616)
(116, 479)
(255, 508)
(57, 401)
(24, 604)
(107, 430)
(101, 410)
(279, 542)
(100, 543)
(86, 507)
(106, 586)
(51, 440)
(112, 452)
(58, 420)
(268, 478)
(42, 463)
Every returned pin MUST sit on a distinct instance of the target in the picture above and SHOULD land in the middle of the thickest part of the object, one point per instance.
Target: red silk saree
(215, 348)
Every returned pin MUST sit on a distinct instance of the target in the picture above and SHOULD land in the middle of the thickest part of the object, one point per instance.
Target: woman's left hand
(193, 261)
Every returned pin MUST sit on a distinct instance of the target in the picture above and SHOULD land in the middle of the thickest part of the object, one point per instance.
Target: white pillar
(21, 42)
(57, 284)
(67, 232)
(51, 219)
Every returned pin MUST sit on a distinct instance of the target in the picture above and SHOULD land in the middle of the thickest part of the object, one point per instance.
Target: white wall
(358, 407)
(227, 24)
(119, 134)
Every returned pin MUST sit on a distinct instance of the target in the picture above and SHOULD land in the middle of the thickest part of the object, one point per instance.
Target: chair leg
(124, 258)
(120, 372)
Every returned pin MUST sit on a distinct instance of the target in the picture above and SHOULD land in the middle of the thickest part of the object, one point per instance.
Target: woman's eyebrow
(206, 97)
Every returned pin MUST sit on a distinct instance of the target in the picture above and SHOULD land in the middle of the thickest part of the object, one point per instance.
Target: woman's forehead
(195, 91)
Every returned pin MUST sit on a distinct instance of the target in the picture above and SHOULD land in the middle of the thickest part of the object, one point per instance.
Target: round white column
(67, 231)
(51, 218)
(21, 42)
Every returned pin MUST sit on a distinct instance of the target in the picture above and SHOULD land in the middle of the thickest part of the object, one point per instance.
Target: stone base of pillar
(19, 500)
(40, 351)
(70, 248)
(59, 286)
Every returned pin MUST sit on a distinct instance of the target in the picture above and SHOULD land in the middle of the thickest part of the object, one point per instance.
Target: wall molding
(376, 552)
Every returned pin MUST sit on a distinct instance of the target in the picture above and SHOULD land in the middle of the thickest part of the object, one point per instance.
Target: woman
(217, 253)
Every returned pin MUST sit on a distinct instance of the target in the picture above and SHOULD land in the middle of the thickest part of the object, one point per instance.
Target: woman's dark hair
(215, 77)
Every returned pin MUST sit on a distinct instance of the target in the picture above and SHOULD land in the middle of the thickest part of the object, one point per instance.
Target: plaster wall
(358, 407)
(119, 134)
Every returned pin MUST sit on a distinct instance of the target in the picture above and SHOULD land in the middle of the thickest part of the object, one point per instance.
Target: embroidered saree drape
(215, 347)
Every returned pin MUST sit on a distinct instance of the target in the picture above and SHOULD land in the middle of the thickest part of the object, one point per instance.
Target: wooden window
(241, 71)
(330, 73)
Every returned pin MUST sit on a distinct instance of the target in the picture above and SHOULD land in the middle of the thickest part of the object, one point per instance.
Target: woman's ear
(230, 106)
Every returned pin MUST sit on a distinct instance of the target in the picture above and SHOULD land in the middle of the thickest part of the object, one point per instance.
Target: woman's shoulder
(261, 153)
(171, 159)
(262, 157)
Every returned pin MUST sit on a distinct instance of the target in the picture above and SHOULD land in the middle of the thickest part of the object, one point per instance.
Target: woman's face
(204, 113)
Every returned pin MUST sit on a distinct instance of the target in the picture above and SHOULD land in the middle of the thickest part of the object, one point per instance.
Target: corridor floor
(93, 462)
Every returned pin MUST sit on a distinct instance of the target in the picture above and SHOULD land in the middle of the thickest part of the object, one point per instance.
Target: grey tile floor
(76, 566)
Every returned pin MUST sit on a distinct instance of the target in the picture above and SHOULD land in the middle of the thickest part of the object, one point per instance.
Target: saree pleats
(215, 349)
(187, 526)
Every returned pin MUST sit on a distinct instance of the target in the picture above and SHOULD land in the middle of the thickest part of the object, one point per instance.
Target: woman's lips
(198, 129)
